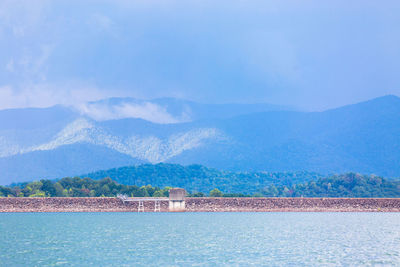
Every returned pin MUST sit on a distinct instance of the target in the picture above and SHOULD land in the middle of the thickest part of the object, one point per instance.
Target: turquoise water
(199, 239)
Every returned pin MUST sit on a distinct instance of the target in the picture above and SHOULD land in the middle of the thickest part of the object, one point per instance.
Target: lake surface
(199, 239)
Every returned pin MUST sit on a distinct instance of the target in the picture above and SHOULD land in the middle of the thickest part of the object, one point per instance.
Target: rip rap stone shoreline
(205, 204)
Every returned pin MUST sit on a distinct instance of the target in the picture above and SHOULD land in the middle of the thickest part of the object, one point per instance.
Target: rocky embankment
(202, 204)
(74, 204)
(293, 204)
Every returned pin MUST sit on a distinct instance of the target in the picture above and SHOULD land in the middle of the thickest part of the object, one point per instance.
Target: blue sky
(310, 54)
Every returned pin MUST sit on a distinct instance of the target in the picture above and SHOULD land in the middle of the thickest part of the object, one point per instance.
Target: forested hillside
(197, 178)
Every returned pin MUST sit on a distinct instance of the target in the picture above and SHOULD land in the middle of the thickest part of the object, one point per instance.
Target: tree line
(80, 187)
(345, 185)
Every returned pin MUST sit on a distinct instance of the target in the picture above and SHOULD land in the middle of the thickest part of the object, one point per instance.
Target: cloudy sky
(310, 54)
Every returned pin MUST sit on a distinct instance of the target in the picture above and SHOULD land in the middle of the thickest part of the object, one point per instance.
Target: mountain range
(64, 141)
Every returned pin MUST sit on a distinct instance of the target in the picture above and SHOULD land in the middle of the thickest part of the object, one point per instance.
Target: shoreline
(204, 204)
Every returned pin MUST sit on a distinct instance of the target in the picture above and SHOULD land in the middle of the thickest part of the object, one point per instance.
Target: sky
(313, 55)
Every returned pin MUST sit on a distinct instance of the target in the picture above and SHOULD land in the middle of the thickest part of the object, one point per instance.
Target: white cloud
(145, 110)
(79, 96)
(45, 95)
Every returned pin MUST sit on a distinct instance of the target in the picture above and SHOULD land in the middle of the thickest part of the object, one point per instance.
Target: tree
(59, 189)
(197, 194)
(158, 193)
(38, 193)
(65, 193)
(143, 192)
(215, 193)
(48, 188)
(105, 190)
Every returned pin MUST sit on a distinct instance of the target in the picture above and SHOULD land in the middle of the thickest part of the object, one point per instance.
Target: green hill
(197, 178)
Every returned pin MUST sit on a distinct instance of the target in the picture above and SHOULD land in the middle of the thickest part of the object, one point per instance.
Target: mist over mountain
(61, 141)
(364, 137)
(168, 110)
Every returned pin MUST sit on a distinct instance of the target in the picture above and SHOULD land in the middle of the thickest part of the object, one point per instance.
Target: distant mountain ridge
(169, 110)
(62, 141)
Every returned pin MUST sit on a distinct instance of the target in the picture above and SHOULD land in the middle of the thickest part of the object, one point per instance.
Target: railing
(157, 201)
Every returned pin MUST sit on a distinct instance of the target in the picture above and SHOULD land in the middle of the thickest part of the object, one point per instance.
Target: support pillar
(140, 206)
(157, 206)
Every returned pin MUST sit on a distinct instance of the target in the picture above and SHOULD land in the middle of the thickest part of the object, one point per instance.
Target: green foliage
(215, 193)
(38, 194)
(6, 191)
(238, 195)
(158, 193)
(48, 187)
(345, 185)
(77, 187)
(197, 178)
(197, 194)
(65, 193)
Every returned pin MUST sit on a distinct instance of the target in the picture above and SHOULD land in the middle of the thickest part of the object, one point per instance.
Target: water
(199, 239)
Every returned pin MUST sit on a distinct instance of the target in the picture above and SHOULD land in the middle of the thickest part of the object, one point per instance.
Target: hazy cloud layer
(146, 110)
(45, 95)
(311, 54)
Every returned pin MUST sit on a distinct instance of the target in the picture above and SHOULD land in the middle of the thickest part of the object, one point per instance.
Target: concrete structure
(141, 201)
(177, 199)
